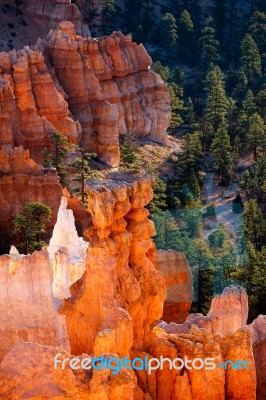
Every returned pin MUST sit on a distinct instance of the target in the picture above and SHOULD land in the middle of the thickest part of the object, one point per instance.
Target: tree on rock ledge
(29, 226)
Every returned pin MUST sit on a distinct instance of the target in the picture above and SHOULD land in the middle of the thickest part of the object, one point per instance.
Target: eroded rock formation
(23, 181)
(28, 311)
(98, 87)
(53, 11)
(114, 308)
(232, 309)
(179, 285)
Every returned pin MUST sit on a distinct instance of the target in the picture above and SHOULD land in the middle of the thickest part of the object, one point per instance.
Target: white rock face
(65, 235)
(232, 309)
(67, 252)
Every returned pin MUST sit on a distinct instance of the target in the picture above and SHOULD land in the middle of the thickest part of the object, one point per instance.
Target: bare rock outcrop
(67, 252)
(98, 87)
(232, 309)
(28, 310)
(54, 11)
(258, 331)
(121, 293)
(23, 181)
(179, 285)
(27, 372)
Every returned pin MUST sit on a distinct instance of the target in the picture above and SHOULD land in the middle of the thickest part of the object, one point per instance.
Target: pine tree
(56, 153)
(256, 138)
(209, 45)
(177, 104)
(158, 202)
(29, 226)
(191, 157)
(257, 29)
(241, 85)
(217, 104)
(248, 107)
(162, 70)
(108, 16)
(186, 36)
(261, 103)
(221, 150)
(250, 57)
(189, 111)
(255, 226)
(169, 33)
(129, 160)
(82, 165)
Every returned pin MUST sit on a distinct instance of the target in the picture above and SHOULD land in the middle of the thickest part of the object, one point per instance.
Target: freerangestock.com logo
(145, 364)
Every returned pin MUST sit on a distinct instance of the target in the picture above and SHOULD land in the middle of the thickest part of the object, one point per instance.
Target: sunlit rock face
(67, 252)
(28, 309)
(232, 309)
(122, 292)
(258, 331)
(27, 372)
(100, 87)
(114, 308)
(179, 285)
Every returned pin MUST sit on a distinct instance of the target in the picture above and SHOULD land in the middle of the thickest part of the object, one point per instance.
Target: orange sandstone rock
(179, 286)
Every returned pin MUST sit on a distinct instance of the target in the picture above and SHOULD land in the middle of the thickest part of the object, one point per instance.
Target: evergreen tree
(189, 112)
(158, 202)
(248, 107)
(256, 138)
(169, 33)
(186, 36)
(221, 150)
(209, 45)
(255, 226)
(177, 76)
(108, 16)
(129, 160)
(162, 70)
(250, 57)
(257, 29)
(241, 85)
(82, 165)
(29, 226)
(238, 205)
(203, 258)
(261, 103)
(191, 157)
(177, 104)
(56, 153)
(217, 104)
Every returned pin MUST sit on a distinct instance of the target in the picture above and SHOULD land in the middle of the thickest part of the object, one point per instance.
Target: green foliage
(217, 103)
(221, 150)
(256, 139)
(168, 33)
(238, 205)
(255, 226)
(250, 57)
(191, 157)
(29, 226)
(162, 70)
(210, 211)
(257, 29)
(56, 153)
(108, 16)
(82, 165)
(186, 36)
(177, 104)
(159, 201)
(209, 44)
(129, 160)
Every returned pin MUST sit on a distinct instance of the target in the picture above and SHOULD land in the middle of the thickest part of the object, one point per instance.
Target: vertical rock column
(121, 292)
